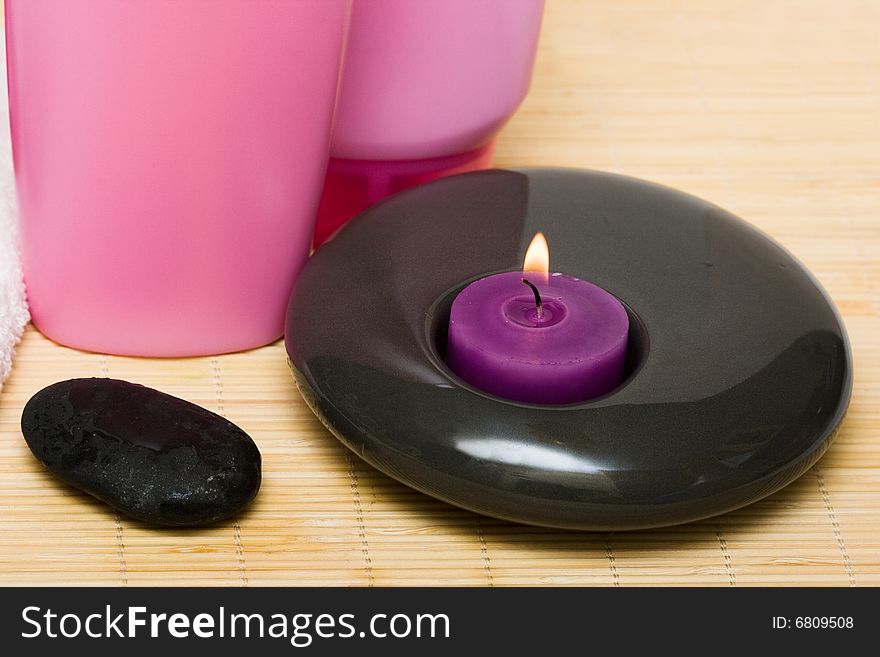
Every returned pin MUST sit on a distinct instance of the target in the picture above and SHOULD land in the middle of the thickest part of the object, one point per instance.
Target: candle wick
(537, 294)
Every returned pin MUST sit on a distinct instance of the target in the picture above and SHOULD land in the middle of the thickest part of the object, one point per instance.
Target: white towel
(13, 308)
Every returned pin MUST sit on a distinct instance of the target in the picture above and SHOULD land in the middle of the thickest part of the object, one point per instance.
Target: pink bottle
(169, 158)
(426, 87)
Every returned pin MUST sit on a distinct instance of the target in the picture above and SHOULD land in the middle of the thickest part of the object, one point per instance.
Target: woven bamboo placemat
(770, 109)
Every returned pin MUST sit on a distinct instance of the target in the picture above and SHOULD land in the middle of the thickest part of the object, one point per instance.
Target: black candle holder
(739, 370)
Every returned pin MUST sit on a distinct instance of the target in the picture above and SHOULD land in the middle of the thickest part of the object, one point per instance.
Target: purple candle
(538, 338)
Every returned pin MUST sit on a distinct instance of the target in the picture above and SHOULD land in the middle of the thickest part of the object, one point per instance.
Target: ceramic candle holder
(738, 369)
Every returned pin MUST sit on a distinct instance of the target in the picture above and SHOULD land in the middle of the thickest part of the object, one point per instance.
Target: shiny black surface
(740, 370)
(149, 455)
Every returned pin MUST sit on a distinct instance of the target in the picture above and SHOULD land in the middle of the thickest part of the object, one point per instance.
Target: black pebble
(149, 455)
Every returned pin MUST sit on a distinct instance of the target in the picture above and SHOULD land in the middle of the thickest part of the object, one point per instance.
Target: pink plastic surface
(169, 157)
(432, 78)
(426, 82)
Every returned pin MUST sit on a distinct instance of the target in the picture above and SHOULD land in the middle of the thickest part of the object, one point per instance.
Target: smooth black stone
(151, 456)
(739, 369)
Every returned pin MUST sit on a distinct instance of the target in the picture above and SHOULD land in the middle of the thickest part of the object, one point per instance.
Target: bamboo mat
(768, 108)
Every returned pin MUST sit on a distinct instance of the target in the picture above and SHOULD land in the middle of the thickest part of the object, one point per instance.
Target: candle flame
(537, 261)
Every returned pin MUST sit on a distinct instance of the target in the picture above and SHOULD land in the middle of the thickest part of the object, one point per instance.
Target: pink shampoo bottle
(426, 87)
(169, 157)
